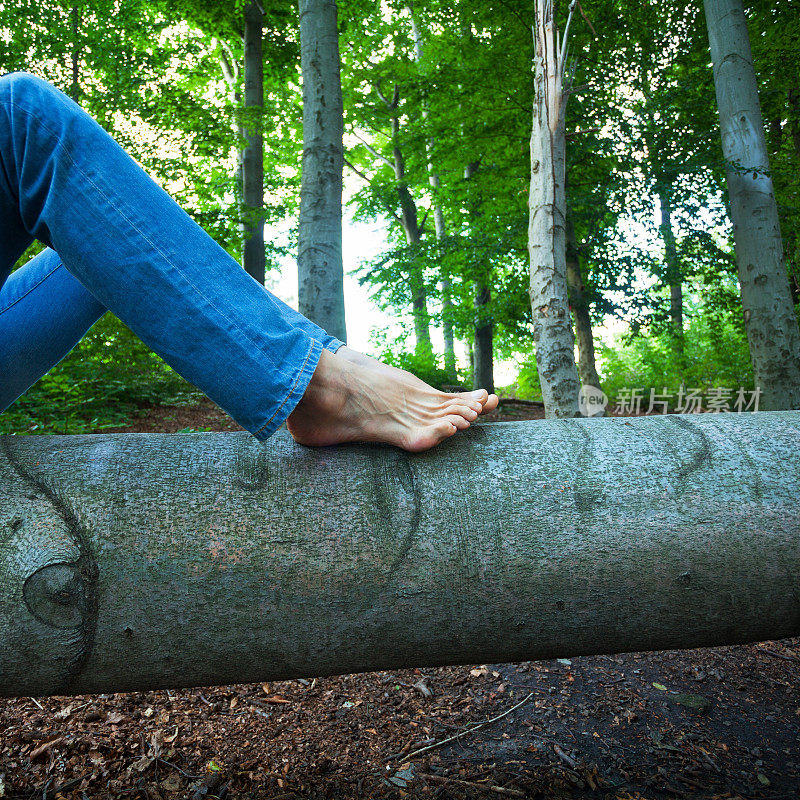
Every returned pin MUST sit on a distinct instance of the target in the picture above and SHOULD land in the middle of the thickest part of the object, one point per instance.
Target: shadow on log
(139, 561)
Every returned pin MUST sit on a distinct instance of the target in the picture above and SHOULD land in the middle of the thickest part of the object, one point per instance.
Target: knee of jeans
(17, 85)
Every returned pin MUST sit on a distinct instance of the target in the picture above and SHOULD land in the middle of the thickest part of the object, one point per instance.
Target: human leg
(44, 312)
(66, 182)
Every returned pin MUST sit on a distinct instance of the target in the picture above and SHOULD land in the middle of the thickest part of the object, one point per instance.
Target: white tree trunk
(770, 322)
(137, 561)
(552, 331)
(319, 258)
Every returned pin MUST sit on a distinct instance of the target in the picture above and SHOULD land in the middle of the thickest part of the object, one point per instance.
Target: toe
(480, 395)
(461, 423)
(491, 403)
(465, 411)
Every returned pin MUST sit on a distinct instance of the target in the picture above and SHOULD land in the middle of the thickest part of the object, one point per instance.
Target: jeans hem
(333, 345)
(295, 394)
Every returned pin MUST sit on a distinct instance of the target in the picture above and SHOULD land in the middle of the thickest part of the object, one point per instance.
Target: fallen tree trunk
(133, 561)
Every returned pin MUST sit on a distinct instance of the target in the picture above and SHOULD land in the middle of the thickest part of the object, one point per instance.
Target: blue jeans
(117, 241)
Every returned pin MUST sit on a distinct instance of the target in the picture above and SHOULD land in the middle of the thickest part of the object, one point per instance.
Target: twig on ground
(175, 766)
(468, 730)
(485, 787)
(777, 654)
(568, 760)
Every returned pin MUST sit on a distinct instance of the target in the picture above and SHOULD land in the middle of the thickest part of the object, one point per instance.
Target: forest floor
(707, 723)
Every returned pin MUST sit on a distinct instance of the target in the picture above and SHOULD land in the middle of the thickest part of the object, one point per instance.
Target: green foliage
(421, 362)
(425, 366)
(528, 385)
(716, 355)
(100, 384)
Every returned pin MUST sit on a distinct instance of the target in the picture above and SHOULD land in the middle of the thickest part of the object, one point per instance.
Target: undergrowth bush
(715, 355)
(424, 365)
(100, 384)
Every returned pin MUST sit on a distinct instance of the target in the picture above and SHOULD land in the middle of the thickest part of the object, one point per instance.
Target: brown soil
(711, 723)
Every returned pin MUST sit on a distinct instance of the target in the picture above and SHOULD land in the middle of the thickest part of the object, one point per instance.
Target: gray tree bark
(672, 276)
(771, 325)
(319, 259)
(253, 256)
(552, 330)
(139, 561)
(587, 367)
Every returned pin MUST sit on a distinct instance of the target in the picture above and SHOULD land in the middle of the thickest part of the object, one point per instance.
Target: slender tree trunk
(770, 322)
(409, 221)
(552, 331)
(672, 272)
(438, 217)
(483, 340)
(483, 374)
(231, 73)
(319, 261)
(447, 291)
(253, 256)
(587, 368)
(143, 561)
(75, 87)
(448, 331)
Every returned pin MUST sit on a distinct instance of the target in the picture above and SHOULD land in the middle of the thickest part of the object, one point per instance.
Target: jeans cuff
(295, 393)
(333, 345)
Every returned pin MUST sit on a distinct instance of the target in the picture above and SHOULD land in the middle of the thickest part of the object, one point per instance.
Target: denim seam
(169, 261)
(35, 285)
(291, 391)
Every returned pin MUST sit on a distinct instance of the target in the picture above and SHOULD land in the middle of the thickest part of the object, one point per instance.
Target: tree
(587, 369)
(440, 228)
(770, 322)
(553, 335)
(253, 255)
(319, 256)
(148, 561)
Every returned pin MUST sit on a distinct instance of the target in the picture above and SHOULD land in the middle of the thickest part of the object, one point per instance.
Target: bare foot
(488, 401)
(350, 402)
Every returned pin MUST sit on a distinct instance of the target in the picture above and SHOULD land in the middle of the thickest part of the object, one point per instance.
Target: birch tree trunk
(770, 322)
(319, 259)
(140, 561)
(587, 368)
(253, 256)
(552, 331)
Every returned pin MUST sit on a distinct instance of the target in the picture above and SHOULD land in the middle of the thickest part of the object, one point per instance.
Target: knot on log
(58, 595)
